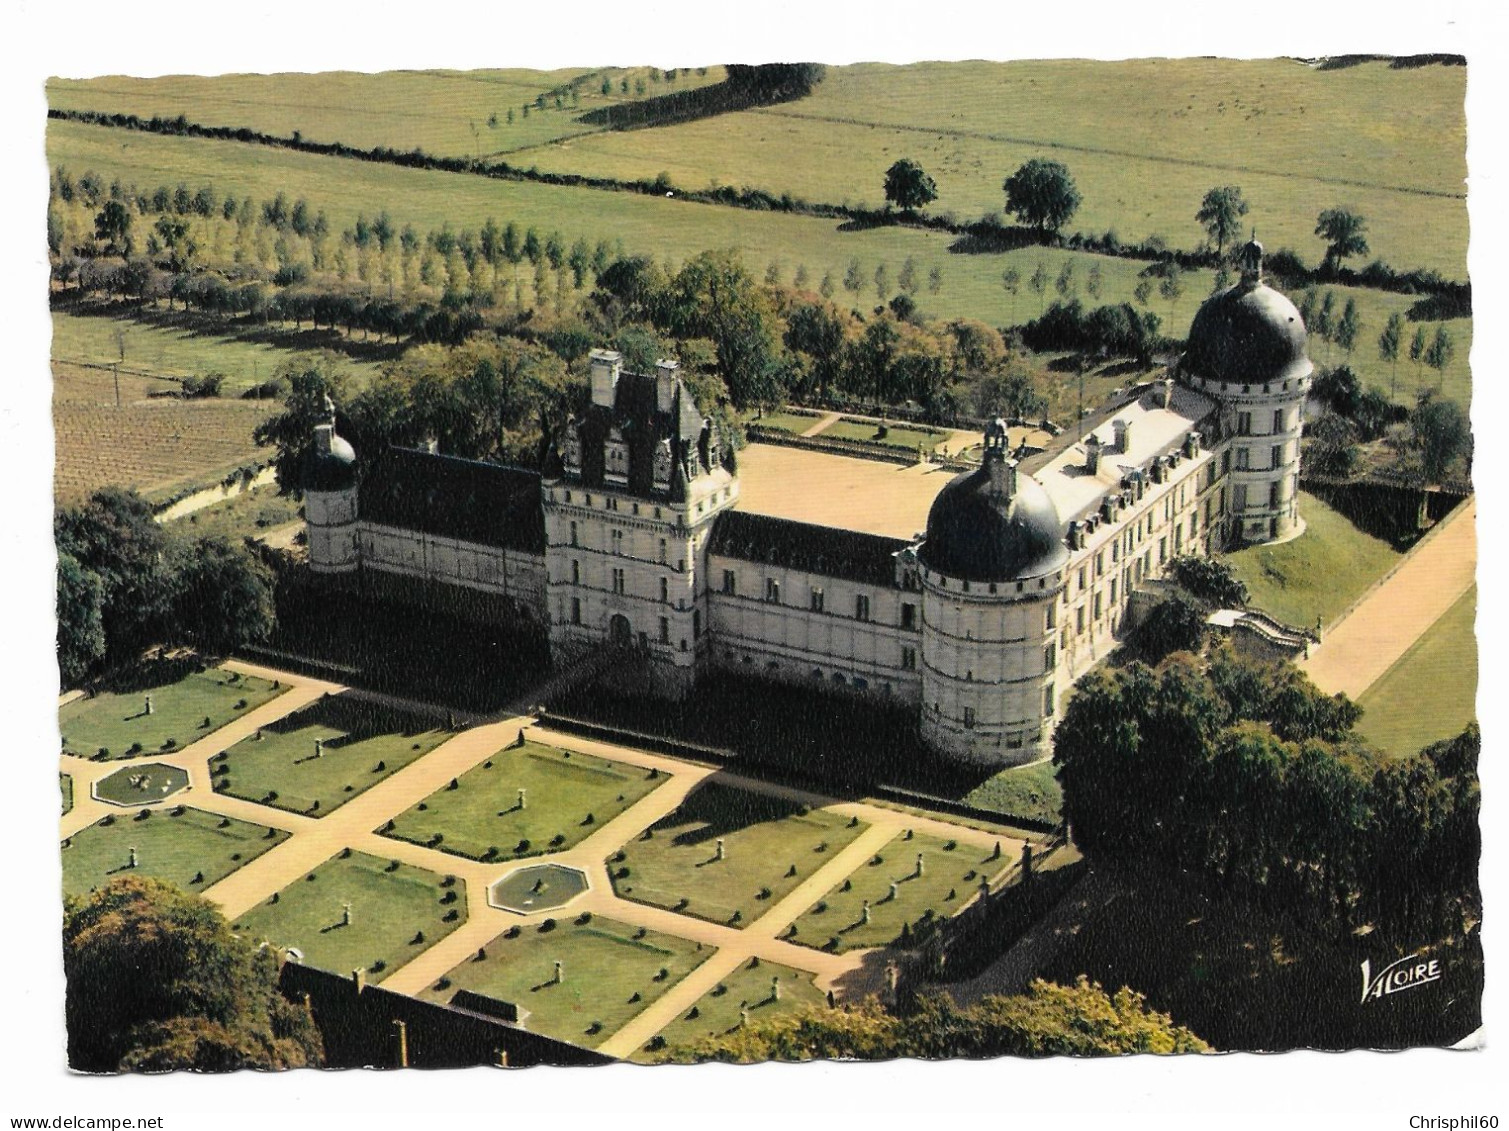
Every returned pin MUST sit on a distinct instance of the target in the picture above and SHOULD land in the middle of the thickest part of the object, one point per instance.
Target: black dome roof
(334, 470)
(1248, 333)
(976, 532)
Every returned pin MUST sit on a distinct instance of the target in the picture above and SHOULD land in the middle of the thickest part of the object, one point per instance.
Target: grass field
(442, 112)
(718, 1011)
(168, 351)
(897, 435)
(1318, 574)
(770, 846)
(1430, 693)
(361, 744)
(949, 877)
(396, 913)
(187, 847)
(1144, 140)
(778, 421)
(141, 784)
(181, 705)
(250, 514)
(673, 230)
(1022, 791)
(567, 797)
(610, 972)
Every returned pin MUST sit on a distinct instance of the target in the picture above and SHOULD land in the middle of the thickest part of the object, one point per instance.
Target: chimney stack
(1123, 431)
(1003, 473)
(606, 365)
(1092, 454)
(665, 384)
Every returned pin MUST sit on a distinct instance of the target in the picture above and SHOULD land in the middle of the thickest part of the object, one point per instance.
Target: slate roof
(642, 426)
(847, 554)
(488, 503)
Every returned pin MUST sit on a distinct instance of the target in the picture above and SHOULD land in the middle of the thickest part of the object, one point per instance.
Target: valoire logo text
(1402, 974)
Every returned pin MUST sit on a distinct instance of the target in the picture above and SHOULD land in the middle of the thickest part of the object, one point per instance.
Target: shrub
(144, 815)
(393, 866)
(622, 873)
(198, 878)
(558, 839)
(451, 916)
(380, 767)
(546, 925)
(240, 704)
(820, 907)
(169, 743)
(448, 897)
(417, 939)
(454, 784)
(443, 984)
(378, 967)
(422, 807)
(635, 996)
(522, 847)
(949, 846)
(104, 752)
(589, 819)
(584, 918)
(135, 748)
(346, 854)
(763, 893)
(662, 974)
(693, 1013)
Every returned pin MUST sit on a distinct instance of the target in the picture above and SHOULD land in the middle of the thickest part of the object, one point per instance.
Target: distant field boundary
(1378, 275)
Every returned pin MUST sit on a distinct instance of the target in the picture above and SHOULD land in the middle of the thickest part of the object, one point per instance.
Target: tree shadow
(989, 239)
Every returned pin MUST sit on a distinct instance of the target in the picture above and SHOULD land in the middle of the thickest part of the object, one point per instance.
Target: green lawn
(250, 514)
(949, 877)
(141, 784)
(361, 744)
(718, 1011)
(176, 353)
(770, 846)
(897, 435)
(568, 796)
(187, 847)
(65, 783)
(1022, 791)
(185, 708)
(1430, 693)
(396, 913)
(1318, 574)
(794, 422)
(610, 972)
(1144, 140)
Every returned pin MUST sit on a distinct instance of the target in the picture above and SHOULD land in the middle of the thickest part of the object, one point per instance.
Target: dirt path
(1357, 650)
(828, 419)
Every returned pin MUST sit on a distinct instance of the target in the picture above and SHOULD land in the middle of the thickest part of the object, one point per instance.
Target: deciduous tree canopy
(1042, 194)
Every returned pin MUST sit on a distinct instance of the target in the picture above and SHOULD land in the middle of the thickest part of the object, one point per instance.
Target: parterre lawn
(950, 876)
(897, 435)
(1318, 574)
(717, 1012)
(610, 972)
(396, 913)
(362, 743)
(770, 845)
(115, 720)
(793, 422)
(187, 847)
(1430, 693)
(568, 796)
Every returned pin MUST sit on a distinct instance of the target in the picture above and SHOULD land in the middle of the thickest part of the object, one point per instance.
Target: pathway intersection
(314, 840)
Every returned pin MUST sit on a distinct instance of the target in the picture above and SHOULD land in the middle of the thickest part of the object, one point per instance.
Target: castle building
(629, 540)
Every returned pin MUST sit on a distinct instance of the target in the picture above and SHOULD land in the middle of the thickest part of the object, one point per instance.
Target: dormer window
(615, 458)
(571, 449)
(662, 466)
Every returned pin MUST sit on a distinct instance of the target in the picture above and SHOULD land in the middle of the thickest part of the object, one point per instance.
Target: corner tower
(992, 571)
(1246, 349)
(329, 479)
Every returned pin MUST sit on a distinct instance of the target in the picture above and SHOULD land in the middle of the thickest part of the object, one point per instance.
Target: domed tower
(330, 500)
(1246, 349)
(992, 571)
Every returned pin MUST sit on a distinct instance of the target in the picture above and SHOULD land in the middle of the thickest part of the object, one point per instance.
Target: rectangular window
(618, 581)
(1097, 606)
(728, 582)
(662, 551)
(908, 615)
(618, 541)
(1100, 564)
(696, 624)
(1081, 579)
(1278, 420)
(576, 610)
(1178, 536)
(665, 590)
(909, 659)
(1239, 497)
(1273, 492)
(1226, 461)
(969, 718)
(1163, 550)
(772, 590)
(817, 599)
(1277, 457)
(1241, 459)
(573, 534)
(1051, 621)
(1079, 620)
(1244, 424)
(861, 607)
(665, 630)
(1048, 701)
(576, 572)
(1113, 590)
(1050, 657)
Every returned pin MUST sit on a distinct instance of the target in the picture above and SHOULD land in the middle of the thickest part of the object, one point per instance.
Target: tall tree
(224, 595)
(713, 296)
(1439, 434)
(156, 981)
(908, 186)
(311, 380)
(1042, 194)
(1417, 349)
(1038, 281)
(112, 226)
(1348, 326)
(1344, 233)
(1221, 215)
(1389, 342)
(81, 623)
(115, 537)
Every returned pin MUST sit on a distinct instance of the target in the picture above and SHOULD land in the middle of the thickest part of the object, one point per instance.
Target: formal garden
(526, 800)
(914, 879)
(360, 911)
(187, 847)
(756, 991)
(727, 854)
(165, 709)
(141, 785)
(581, 977)
(318, 758)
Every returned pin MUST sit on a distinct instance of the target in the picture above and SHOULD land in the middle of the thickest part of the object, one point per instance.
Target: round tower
(1246, 350)
(992, 571)
(330, 500)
